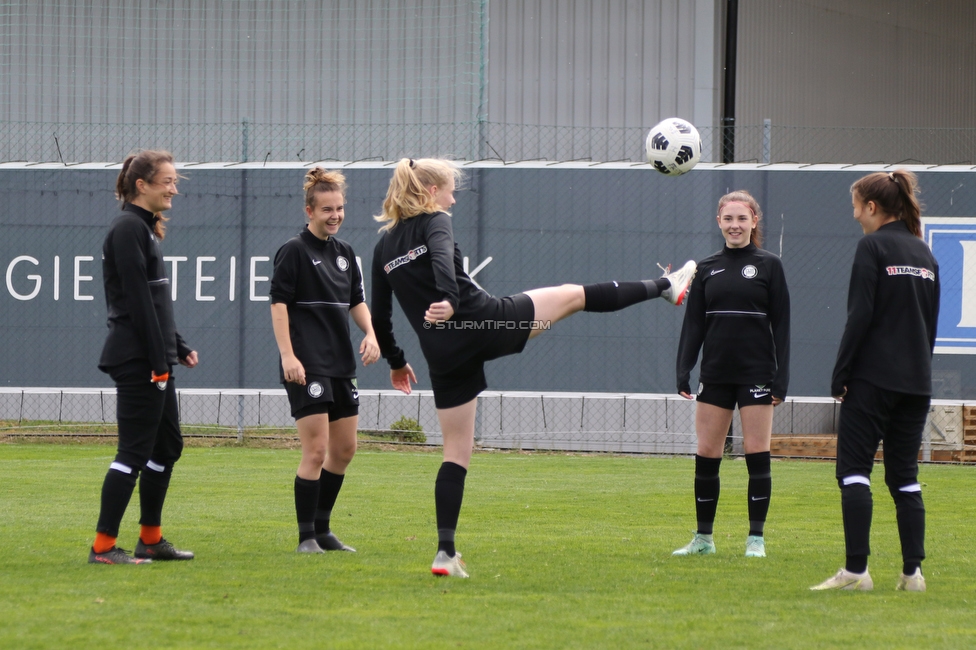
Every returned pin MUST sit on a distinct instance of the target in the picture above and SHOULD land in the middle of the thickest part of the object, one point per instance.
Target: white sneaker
(914, 582)
(680, 281)
(309, 546)
(699, 545)
(847, 581)
(448, 566)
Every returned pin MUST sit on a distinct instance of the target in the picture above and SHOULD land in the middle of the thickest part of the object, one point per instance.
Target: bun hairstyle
(408, 195)
(321, 180)
(895, 193)
(142, 166)
(742, 196)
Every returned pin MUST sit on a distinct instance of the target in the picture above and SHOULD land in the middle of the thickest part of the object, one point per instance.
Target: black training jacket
(138, 296)
(892, 313)
(320, 281)
(738, 308)
(419, 261)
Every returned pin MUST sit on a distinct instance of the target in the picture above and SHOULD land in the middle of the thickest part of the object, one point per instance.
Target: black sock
(910, 514)
(152, 493)
(656, 287)
(857, 507)
(329, 486)
(116, 492)
(760, 489)
(612, 296)
(856, 563)
(306, 500)
(707, 488)
(448, 494)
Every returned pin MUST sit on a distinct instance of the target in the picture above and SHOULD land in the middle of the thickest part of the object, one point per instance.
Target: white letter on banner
(233, 278)
(203, 278)
(968, 307)
(57, 277)
(175, 260)
(79, 278)
(35, 278)
(258, 278)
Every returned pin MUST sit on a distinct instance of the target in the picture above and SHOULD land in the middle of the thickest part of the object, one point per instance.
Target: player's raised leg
(552, 304)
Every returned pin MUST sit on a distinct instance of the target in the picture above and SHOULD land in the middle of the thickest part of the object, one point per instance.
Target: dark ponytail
(142, 166)
(895, 193)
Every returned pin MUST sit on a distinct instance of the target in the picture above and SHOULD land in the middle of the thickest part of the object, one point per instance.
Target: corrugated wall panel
(871, 63)
(588, 62)
(561, 67)
(94, 64)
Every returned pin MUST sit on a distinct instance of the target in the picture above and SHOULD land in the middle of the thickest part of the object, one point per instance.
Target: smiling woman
(738, 315)
(139, 354)
(316, 287)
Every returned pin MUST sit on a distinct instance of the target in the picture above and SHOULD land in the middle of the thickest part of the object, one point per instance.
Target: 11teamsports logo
(404, 259)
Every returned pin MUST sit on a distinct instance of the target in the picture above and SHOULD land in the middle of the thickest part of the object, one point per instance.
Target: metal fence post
(767, 138)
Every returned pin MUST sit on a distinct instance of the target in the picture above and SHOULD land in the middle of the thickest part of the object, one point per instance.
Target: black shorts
(726, 396)
(461, 383)
(339, 397)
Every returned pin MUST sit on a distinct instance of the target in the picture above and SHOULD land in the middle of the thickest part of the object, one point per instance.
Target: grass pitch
(564, 551)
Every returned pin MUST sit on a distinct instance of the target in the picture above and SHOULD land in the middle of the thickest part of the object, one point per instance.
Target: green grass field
(564, 551)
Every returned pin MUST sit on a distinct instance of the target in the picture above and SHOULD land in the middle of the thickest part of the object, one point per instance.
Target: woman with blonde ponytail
(315, 288)
(883, 373)
(140, 352)
(459, 325)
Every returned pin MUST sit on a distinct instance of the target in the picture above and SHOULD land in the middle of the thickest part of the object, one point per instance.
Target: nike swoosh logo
(758, 498)
(316, 262)
(705, 500)
(758, 395)
(714, 272)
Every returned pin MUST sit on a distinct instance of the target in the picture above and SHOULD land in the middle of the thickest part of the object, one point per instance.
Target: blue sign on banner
(953, 242)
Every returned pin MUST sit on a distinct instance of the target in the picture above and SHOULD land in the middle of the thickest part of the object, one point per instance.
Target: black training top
(892, 312)
(419, 261)
(739, 307)
(137, 294)
(320, 281)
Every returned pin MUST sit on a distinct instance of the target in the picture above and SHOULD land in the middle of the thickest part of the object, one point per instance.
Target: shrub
(408, 430)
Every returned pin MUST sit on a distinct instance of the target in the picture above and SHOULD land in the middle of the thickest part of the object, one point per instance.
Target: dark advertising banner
(520, 227)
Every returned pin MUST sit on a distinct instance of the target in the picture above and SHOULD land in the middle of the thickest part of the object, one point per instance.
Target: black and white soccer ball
(673, 147)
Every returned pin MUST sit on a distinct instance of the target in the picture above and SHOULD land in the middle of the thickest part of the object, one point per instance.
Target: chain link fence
(275, 143)
(583, 422)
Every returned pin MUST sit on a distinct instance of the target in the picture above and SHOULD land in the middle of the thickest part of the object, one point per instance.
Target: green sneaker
(755, 546)
(699, 545)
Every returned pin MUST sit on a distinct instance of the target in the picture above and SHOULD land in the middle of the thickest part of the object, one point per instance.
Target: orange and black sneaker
(161, 551)
(115, 555)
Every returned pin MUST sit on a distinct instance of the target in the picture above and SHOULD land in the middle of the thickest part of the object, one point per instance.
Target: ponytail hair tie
(412, 164)
(891, 177)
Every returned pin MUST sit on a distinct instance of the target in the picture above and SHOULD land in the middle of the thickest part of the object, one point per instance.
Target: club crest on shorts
(342, 263)
(749, 272)
(315, 390)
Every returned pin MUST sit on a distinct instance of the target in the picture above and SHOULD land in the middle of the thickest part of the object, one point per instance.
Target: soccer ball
(673, 146)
